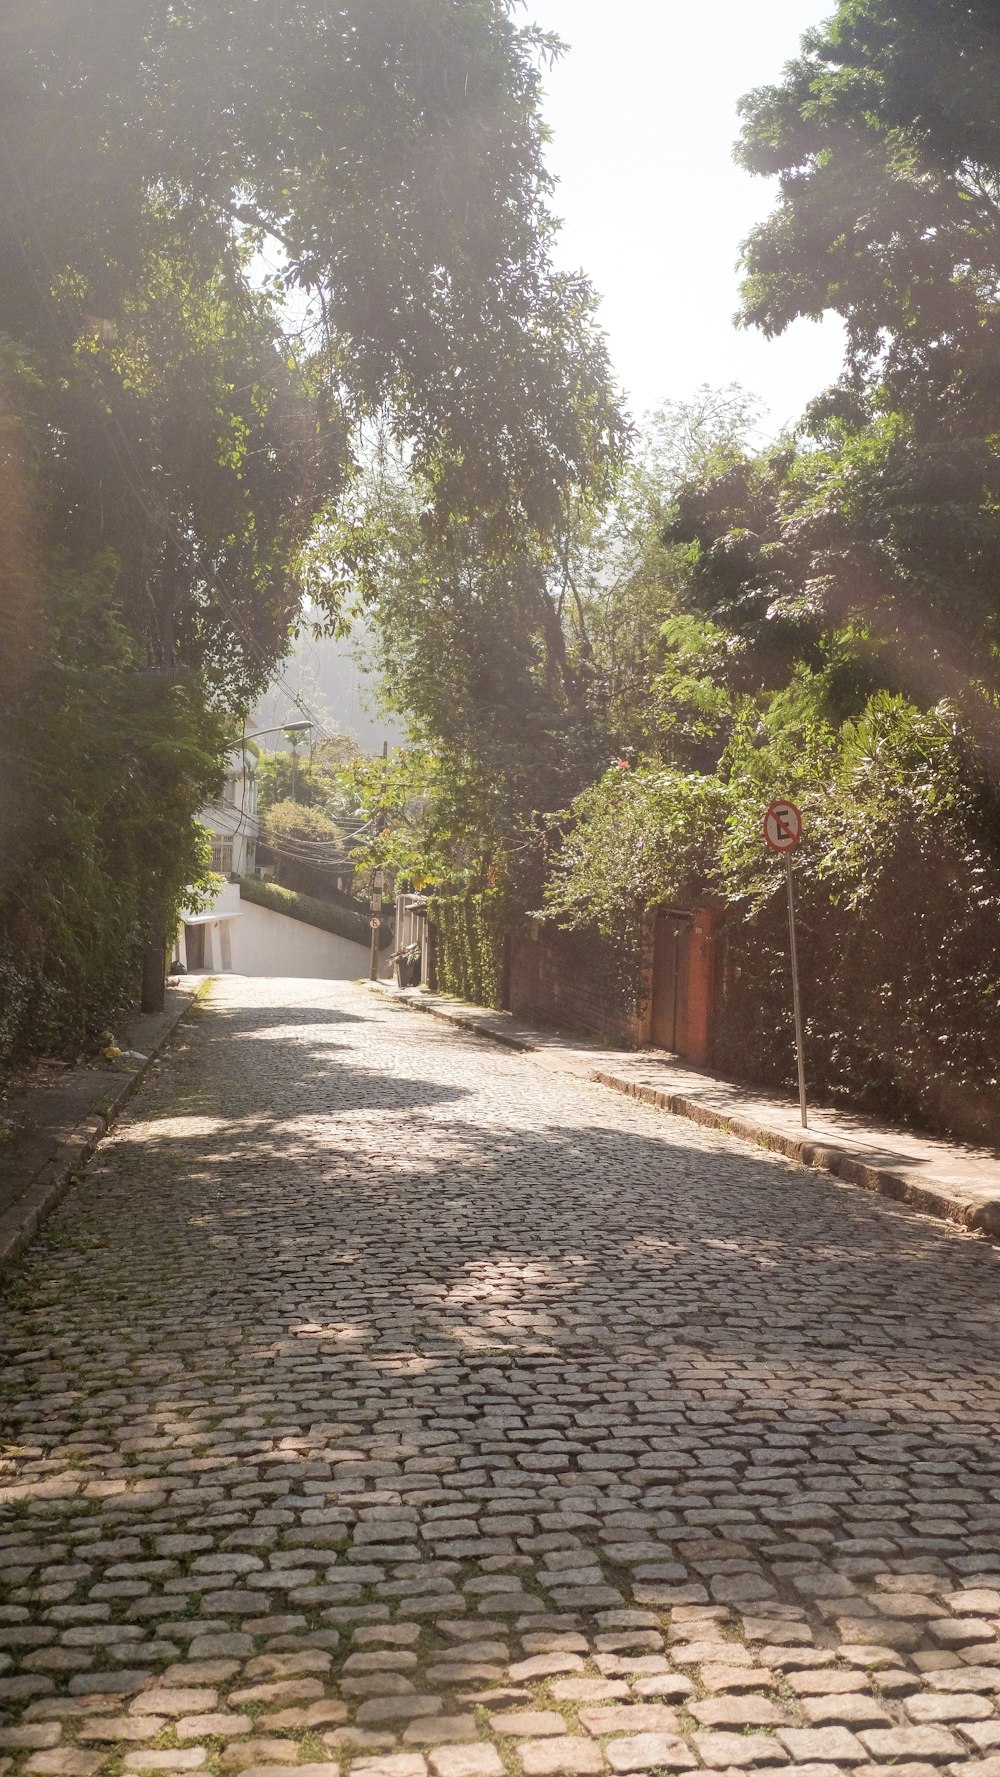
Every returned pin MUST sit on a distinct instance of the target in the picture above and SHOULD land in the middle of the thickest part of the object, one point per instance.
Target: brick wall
(580, 982)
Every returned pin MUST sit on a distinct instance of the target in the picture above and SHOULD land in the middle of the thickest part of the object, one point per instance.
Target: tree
(523, 668)
(389, 152)
(232, 238)
(629, 564)
(318, 778)
(884, 139)
(472, 651)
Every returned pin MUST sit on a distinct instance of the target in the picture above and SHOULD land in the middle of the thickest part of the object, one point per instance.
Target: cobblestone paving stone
(384, 1403)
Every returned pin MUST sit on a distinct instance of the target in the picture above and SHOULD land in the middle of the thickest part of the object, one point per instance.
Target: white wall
(266, 943)
(252, 940)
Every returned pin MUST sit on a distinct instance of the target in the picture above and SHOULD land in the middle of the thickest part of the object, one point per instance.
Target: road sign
(374, 922)
(783, 832)
(783, 826)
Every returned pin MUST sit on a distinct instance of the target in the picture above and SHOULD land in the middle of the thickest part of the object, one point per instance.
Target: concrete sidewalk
(935, 1176)
(55, 1115)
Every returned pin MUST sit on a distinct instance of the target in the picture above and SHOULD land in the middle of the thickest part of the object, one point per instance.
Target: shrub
(471, 935)
(326, 915)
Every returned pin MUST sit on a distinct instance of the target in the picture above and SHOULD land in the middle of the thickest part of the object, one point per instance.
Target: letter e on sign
(783, 826)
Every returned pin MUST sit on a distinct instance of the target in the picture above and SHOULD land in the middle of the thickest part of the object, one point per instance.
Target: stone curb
(821, 1157)
(463, 1017)
(51, 1182)
(884, 1181)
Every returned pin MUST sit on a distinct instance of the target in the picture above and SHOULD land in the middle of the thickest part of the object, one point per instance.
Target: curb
(54, 1178)
(400, 996)
(883, 1181)
(981, 1218)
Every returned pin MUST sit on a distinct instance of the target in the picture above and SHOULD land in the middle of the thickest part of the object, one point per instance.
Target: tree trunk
(154, 969)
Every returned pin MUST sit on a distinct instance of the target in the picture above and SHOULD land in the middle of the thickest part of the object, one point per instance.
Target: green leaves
(635, 839)
(104, 769)
(389, 156)
(235, 240)
(883, 137)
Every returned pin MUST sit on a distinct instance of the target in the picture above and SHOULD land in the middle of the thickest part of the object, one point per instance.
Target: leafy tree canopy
(386, 158)
(474, 651)
(318, 777)
(885, 141)
(522, 670)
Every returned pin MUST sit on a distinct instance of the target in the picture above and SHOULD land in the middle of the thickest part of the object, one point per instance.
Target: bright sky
(644, 113)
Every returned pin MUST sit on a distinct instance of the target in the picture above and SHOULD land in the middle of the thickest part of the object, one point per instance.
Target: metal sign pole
(378, 878)
(375, 923)
(796, 1000)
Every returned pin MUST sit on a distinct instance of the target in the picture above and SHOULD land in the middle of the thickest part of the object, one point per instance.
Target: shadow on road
(420, 1294)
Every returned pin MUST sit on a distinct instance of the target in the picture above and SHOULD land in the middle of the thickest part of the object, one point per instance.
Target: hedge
(325, 915)
(471, 933)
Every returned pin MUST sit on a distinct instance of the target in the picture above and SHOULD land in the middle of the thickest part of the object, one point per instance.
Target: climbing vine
(472, 935)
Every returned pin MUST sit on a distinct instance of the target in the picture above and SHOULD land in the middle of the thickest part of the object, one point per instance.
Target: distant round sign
(783, 826)
(374, 922)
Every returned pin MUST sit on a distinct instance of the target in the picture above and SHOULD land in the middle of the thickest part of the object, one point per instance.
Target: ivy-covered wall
(489, 953)
(472, 934)
(104, 768)
(900, 991)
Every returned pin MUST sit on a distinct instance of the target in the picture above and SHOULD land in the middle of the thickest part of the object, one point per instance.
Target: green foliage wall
(898, 895)
(325, 914)
(104, 769)
(900, 991)
(472, 934)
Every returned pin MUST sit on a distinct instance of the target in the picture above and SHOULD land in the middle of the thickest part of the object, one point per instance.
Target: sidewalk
(937, 1177)
(56, 1116)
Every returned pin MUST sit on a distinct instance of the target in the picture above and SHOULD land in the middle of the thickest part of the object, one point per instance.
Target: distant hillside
(331, 679)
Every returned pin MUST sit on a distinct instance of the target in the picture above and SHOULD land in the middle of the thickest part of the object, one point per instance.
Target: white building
(232, 821)
(239, 936)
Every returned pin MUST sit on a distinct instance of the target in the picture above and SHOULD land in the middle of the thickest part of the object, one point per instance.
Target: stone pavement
(384, 1403)
(937, 1176)
(53, 1114)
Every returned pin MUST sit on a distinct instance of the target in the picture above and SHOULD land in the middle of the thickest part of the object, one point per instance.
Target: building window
(222, 856)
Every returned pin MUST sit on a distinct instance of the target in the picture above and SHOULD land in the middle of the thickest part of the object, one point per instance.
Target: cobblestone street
(386, 1401)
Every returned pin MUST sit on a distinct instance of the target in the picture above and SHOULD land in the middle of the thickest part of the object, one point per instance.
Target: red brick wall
(579, 982)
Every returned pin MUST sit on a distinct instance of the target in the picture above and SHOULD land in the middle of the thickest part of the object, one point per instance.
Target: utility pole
(378, 879)
(796, 996)
(782, 834)
(375, 922)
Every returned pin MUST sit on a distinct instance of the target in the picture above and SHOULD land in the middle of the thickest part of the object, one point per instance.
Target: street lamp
(288, 728)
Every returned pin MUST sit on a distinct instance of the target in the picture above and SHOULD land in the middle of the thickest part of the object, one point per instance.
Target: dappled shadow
(396, 1265)
(256, 1043)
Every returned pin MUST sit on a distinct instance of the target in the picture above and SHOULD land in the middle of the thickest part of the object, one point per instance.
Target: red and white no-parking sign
(783, 826)
(783, 832)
